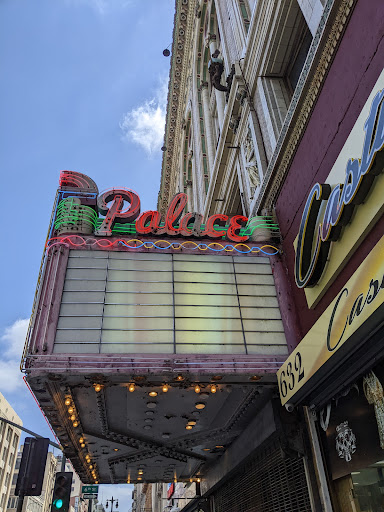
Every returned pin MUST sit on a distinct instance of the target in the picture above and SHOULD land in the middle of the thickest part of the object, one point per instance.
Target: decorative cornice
(185, 14)
(319, 59)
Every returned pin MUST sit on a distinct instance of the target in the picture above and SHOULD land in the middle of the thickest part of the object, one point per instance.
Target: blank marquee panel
(134, 302)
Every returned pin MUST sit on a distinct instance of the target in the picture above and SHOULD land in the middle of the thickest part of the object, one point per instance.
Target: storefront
(338, 371)
(330, 212)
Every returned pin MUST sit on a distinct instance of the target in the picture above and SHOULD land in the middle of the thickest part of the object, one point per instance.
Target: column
(211, 150)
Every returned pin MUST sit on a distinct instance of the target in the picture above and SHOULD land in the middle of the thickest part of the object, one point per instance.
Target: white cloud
(145, 124)
(11, 349)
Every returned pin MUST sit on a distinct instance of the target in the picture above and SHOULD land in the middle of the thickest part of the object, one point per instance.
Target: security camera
(289, 407)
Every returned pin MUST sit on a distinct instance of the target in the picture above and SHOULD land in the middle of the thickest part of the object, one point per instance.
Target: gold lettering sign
(353, 305)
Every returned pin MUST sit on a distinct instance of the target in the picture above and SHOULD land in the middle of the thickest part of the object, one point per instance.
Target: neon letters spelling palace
(78, 211)
(149, 222)
(315, 236)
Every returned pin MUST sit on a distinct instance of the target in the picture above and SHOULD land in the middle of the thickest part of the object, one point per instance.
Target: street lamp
(112, 500)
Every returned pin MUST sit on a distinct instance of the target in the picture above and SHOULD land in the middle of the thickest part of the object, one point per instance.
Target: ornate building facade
(275, 108)
(234, 71)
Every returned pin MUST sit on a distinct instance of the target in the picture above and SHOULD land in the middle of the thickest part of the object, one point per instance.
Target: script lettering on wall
(317, 232)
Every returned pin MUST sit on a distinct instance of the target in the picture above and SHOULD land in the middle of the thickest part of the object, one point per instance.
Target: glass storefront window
(368, 488)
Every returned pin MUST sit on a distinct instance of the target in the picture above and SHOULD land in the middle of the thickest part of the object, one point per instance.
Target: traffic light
(62, 492)
(32, 467)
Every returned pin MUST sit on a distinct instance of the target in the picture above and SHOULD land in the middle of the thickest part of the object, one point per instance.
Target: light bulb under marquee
(75, 424)
(67, 401)
(131, 387)
(199, 405)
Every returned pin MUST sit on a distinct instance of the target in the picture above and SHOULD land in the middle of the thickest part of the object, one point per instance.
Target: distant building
(9, 441)
(162, 497)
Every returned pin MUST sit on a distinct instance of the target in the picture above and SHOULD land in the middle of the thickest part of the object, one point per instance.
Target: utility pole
(20, 501)
(112, 500)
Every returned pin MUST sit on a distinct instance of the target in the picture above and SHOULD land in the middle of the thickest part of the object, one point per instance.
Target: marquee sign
(361, 296)
(80, 204)
(322, 225)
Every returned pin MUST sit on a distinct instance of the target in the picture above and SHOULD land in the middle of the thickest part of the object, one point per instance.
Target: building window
(287, 50)
(298, 57)
(244, 14)
(9, 434)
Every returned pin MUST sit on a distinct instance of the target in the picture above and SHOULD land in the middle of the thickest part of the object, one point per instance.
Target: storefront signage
(316, 231)
(79, 214)
(110, 204)
(354, 304)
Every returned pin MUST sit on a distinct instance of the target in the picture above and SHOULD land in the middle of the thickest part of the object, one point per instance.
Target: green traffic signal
(62, 492)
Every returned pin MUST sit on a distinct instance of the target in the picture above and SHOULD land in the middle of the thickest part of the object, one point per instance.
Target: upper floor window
(244, 14)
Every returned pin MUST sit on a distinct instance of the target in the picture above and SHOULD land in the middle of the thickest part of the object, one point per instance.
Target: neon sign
(316, 235)
(73, 215)
(160, 245)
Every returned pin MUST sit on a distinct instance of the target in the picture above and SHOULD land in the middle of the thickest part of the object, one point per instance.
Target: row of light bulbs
(165, 388)
(92, 467)
(72, 412)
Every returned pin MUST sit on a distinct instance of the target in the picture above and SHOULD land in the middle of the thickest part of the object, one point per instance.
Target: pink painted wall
(351, 78)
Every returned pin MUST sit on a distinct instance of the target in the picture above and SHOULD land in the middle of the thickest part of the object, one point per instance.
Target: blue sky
(83, 87)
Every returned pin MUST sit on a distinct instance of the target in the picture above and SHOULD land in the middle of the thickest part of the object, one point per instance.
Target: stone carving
(216, 68)
(345, 441)
(287, 142)
(250, 162)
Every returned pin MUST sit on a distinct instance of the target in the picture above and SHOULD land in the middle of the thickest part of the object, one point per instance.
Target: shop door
(268, 483)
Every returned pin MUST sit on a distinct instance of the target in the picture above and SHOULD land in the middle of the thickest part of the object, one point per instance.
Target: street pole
(20, 501)
(112, 501)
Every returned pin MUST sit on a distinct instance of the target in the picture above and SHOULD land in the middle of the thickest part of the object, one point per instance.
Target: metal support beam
(55, 445)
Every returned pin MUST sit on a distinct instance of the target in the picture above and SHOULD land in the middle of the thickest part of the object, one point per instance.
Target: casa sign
(361, 296)
(328, 210)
